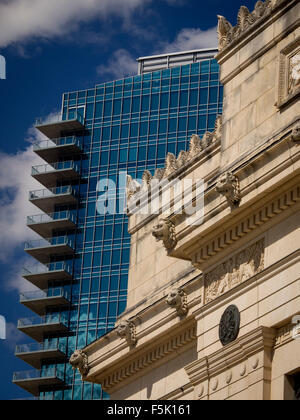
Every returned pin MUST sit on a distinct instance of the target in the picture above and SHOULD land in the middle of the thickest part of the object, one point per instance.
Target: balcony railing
(46, 199)
(37, 327)
(44, 224)
(44, 294)
(58, 166)
(51, 217)
(54, 318)
(42, 249)
(50, 174)
(61, 141)
(53, 267)
(32, 380)
(41, 347)
(52, 150)
(39, 300)
(58, 128)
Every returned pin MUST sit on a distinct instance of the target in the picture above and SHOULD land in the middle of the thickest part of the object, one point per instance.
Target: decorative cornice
(228, 34)
(247, 225)
(261, 338)
(173, 164)
(146, 358)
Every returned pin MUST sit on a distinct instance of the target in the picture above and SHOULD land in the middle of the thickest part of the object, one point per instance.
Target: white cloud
(120, 64)
(13, 336)
(15, 184)
(21, 20)
(191, 39)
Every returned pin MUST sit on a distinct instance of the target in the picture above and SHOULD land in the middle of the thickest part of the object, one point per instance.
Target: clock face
(294, 72)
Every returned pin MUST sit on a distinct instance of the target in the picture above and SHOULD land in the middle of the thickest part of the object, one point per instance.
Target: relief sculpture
(234, 271)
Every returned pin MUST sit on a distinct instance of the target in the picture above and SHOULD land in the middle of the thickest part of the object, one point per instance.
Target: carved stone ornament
(229, 325)
(165, 231)
(172, 164)
(177, 299)
(79, 360)
(296, 134)
(228, 33)
(234, 271)
(228, 185)
(126, 329)
(289, 73)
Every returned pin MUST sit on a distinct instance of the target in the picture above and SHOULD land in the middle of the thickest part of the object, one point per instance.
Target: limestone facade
(241, 249)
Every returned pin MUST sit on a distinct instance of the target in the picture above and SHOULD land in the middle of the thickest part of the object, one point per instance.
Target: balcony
(48, 175)
(37, 327)
(47, 199)
(43, 249)
(35, 353)
(57, 129)
(41, 275)
(32, 381)
(39, 300)
(53, 150)
(44, 224)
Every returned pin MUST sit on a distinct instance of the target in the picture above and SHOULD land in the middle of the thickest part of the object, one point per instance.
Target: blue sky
(56, 46)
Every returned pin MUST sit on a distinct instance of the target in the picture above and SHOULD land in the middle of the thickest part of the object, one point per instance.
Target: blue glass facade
(129, 126)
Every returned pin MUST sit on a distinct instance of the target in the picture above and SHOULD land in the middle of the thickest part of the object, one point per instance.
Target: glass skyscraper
(124, 126)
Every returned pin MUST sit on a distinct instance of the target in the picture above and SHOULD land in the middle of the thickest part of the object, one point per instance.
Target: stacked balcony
(51, 300)
(34, 381)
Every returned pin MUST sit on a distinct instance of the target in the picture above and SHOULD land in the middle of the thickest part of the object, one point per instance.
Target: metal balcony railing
(60, 142)
(52, 173)
(52, 242)
(53, 167)
(51, 192)
(44, 294)
(39, 300)
(46, 199)
(60, 127)
(51, 217)
(73, 115)
(32, 380)
(41, 274)
(41, 347)
(44, 224)
(54, 318)
(52, 150)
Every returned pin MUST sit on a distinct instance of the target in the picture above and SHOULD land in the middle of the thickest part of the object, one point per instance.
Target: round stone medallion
(229, 325)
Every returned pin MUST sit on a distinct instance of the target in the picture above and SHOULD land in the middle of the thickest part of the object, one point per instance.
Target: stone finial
(195, 146)
(207, 140)
(229, 186)
(171, 165)
(79, 360)
(228, 33)
(126, 329)
(224, 32)
(296, 134)
(146, 181)
(182, 159)
(132, 187)
(244, 20)
(177, 299)
(218, 128)
(165, 231)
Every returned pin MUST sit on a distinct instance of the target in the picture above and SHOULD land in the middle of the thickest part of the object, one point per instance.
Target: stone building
(214, 302)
